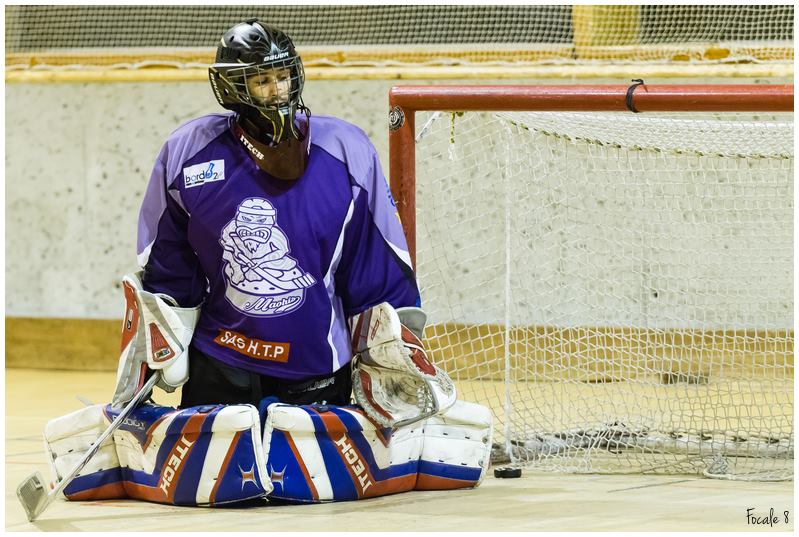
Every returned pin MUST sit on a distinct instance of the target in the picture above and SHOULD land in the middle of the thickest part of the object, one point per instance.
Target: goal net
(618, 287)
(91, 37)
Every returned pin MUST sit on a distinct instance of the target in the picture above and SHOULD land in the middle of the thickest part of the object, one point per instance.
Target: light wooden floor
(534, 502)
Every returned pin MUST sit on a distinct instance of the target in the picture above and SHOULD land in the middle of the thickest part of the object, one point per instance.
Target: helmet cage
(234, 84)
(251, 53)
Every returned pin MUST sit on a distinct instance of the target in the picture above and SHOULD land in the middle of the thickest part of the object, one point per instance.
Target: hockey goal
(617, 286)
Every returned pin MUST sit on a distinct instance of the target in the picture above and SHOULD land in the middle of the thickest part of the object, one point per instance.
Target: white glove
(392, 378)
(155, 335)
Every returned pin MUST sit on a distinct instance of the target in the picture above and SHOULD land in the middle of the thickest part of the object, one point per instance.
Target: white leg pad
(319, 454)
(68, 438)
(207, 455)
(457, 447)
(329, 453)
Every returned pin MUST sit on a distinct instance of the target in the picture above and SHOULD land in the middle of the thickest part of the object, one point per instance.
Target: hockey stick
(32, 492)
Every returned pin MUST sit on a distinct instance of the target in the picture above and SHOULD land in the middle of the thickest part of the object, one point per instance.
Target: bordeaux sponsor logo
(207, 172)
(355, 462)
(173, 464)
(251, 147)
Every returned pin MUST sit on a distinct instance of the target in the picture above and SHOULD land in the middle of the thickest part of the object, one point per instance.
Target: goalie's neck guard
(286, 160)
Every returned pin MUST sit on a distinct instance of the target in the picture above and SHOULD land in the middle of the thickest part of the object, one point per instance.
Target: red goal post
(405, 101)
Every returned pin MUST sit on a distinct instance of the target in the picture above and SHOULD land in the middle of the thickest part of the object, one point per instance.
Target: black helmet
(258, 74)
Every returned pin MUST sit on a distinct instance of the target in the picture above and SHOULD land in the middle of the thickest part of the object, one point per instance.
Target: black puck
(506, 473)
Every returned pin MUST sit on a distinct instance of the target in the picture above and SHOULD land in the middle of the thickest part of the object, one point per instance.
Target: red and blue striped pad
(328, 453)
(206, 455)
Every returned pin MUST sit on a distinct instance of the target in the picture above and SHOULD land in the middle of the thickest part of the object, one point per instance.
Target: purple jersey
(279, 266)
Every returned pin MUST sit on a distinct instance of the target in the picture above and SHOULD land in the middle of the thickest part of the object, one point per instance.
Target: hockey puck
(506, 473)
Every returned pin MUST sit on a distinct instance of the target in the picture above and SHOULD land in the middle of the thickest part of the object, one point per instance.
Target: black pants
(212, 382)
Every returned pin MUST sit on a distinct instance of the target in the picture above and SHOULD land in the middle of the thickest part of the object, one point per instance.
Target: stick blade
(32, 494)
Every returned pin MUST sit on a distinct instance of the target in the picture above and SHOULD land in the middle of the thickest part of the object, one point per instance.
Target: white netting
(85, 37)
(618, 287)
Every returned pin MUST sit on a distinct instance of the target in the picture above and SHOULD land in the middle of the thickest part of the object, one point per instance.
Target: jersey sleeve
(164, 252)
(375, 265)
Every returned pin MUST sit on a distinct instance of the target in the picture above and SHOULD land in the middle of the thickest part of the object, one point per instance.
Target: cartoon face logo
(254, 223)
(262, 279)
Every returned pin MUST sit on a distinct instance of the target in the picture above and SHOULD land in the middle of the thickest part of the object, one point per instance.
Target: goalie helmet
(258, 74)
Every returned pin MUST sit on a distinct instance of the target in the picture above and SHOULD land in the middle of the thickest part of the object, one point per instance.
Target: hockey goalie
(277, 294)
(407, 430)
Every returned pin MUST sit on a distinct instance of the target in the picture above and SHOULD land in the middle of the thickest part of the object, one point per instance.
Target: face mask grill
(271, 92)
(268, 87)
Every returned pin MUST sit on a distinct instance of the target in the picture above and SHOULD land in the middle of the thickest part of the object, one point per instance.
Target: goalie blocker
(215, 455)
(155, 336)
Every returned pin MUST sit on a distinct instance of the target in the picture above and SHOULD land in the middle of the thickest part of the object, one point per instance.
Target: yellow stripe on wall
(469, 352)
(609, 354)
(44, 343)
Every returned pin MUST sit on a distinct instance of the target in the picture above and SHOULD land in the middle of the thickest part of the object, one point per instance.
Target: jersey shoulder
(329, 127)
(189, 139)
(349, 144)
(207, 123)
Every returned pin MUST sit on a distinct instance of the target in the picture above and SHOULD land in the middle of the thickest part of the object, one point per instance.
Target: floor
(536, 501)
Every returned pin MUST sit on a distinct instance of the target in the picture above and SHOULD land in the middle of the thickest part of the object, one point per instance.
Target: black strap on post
(630, 90)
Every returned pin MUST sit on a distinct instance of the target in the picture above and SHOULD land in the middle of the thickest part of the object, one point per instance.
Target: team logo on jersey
(262, 279)
(207, 172)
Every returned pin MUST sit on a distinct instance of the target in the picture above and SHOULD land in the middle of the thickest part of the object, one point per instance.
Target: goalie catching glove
(392, 379)
(155, 335)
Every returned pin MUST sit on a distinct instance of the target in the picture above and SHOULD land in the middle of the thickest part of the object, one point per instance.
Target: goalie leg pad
(207, 455)
(457, 448)
(67, 439)
(329, 453)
